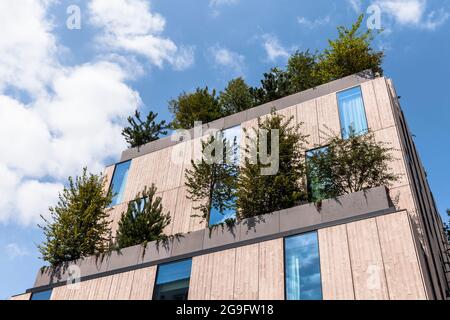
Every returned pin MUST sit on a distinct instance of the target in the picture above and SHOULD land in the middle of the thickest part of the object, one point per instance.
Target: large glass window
(314, 185)
(232, 135)
(302, 267)
(43, 295)
(172, 281)
(119, 182)
(352, 112)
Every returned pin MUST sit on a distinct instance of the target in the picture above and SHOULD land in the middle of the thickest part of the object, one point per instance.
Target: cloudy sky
(65, 93)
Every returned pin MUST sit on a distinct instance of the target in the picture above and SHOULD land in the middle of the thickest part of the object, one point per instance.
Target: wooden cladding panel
(250, 272)
(335, 265)
(140, 174)
(201, 277)
(143, 283)
(25, 296)
(383, 102)
(169, 205)
(328, 117)
(371, 106)
(307, 114)
(121, 286)
(182, 217)
(389, 136)
(222, 284)
(246, 282)
(403, 275)
(134, 285)
(114, 216)
(288, 113)
(366, 260)
(271, 270)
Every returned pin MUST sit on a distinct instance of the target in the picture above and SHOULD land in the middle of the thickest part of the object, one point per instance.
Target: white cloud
(356, 5)
(228, 59)
(312, 24)
(216, 4)
(273, 48)
(213, 3)
(131, 26)
(28, 49)
(412, 13)
(62, 119)
(13, 250)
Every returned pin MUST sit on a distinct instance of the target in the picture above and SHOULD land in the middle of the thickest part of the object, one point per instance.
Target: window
(172, 281)
(314, 185)
(352, 112)
(302, 267)
(119, 182)
(231, 135)
(42, 295)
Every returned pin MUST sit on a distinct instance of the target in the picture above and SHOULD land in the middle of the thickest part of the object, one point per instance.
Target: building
(385, 243)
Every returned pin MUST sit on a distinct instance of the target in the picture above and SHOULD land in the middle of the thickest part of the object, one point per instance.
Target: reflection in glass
(303, 281)
(172, 282)
(43, 295)
(352, 112)
(119, 182)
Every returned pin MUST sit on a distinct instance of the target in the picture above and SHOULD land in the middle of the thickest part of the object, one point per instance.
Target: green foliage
(141, 132)
(275, 85)
(144, 220)
(200, 105)
(211, 183)
(78, 225)
(301, 71)
(349, 54)
(351, 165)
(259, 194)
(236, 97)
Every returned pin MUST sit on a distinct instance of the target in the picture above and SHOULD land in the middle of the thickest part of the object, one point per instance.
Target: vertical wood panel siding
(328, 117)
(336, 270)
(307, 114)
(400, 259)
(371, 106)
(251, 272)
(271, 270)
(366, 260)
(201, 277)
(132, 285)
(397, 166)
(383, 102)
(222, 284)
(246, 282)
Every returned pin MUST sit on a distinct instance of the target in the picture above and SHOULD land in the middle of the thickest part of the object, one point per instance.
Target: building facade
(382, 243)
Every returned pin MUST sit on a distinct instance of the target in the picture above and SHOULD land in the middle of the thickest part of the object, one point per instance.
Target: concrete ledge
(301, 219)
(237, 119)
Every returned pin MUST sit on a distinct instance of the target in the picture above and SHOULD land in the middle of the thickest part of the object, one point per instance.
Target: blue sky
(68, 92)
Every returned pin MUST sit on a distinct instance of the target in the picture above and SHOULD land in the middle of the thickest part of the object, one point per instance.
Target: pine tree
(236, 97)
(274, 85)
(349, 54)
(259, 194)
(211, 183)
(78, 226)
(350, 165)
(200, 105)
(141, 132)
(144, 220)
(301, 71)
